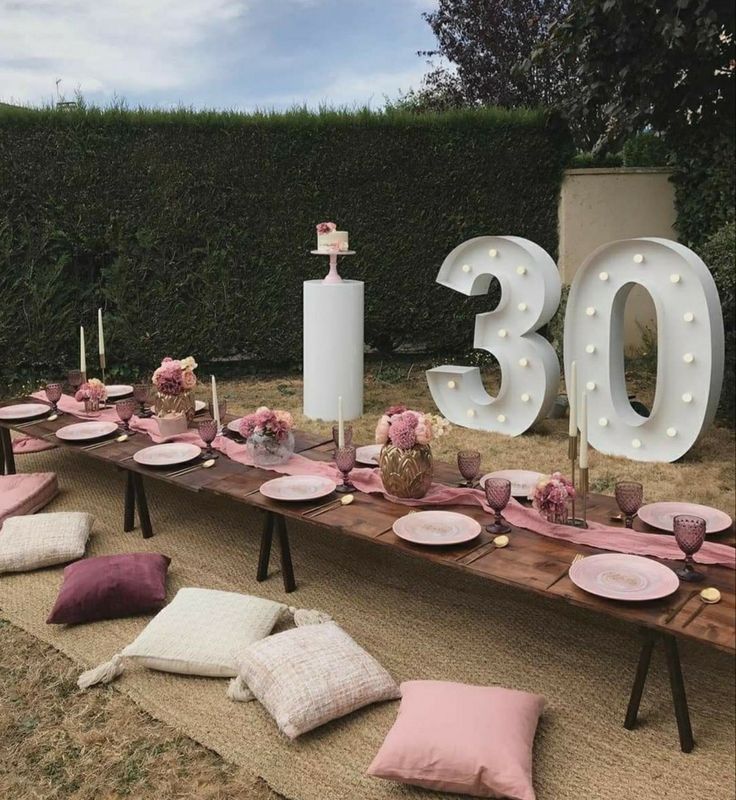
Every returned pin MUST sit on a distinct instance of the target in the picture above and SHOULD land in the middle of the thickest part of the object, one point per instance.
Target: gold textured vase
(175, 404)
(406, 473)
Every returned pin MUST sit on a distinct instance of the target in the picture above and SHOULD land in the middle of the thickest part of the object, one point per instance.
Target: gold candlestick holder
(572, 452)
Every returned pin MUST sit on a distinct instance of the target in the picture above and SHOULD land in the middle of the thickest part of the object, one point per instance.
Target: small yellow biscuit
(501, 541)
(710, 595)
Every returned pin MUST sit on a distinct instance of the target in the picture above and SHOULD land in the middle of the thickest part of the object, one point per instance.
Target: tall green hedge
(193, 230)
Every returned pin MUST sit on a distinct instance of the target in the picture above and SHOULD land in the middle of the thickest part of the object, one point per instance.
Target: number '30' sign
(689, 334)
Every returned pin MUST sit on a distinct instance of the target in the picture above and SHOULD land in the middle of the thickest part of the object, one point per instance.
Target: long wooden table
(531, 563)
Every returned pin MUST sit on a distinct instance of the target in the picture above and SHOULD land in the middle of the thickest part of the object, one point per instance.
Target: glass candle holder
(75, 379)
(141, 394)
(345, 461)
(498, 494)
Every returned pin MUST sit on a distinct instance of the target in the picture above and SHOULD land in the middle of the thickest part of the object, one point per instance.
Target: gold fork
(578, 557)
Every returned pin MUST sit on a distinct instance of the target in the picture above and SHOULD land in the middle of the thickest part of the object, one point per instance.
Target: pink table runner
(368, 480)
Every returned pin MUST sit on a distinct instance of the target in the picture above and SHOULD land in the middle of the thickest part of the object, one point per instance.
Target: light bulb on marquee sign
(530, 286)
(690, 342)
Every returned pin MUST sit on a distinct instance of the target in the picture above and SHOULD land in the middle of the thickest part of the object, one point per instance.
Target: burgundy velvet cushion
(107, 587)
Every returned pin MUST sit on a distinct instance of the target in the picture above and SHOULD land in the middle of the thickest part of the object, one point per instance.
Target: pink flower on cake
(326, 227)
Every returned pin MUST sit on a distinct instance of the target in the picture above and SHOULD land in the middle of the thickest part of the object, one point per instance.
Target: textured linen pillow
(307, 676)
(111, 586)
(475, 740)
(201, 632)
(40, 540)
(26, 493)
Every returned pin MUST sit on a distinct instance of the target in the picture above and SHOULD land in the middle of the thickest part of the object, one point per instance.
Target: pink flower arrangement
(551, 494)
(405, 428)
(326, 227)
(175, 376)
(93, 389)
(266, 422)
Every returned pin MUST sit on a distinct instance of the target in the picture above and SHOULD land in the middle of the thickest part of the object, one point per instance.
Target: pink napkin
(30, 444)
(603, 537)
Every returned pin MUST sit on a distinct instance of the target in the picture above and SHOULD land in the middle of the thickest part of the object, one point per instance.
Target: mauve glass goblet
(347, 433)
(629, 496)
(468, 464)
(53, 394)
(75, 379)
(689, 535)
(141, 394)
(345, 461)
(125, 410)
(207, 429)
(498, 494)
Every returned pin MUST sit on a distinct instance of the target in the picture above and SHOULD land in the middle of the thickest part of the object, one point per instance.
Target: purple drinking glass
(689, 534)
(347, 431)
(141, 394)
(207, 429)
(468, 464)
(345, 461)
(54, 392)
(75, 379)
(498, 494)
(629, 496)
(125, 410)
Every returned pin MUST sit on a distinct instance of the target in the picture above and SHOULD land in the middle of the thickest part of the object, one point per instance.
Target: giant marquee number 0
(690, 342)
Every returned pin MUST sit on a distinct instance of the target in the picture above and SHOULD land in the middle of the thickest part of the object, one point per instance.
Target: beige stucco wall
(598, 206)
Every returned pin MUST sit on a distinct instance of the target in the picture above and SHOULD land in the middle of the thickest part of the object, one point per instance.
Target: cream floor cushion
(42, 540)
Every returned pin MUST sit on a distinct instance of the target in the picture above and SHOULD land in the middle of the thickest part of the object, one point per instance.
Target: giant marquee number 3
(689, 336)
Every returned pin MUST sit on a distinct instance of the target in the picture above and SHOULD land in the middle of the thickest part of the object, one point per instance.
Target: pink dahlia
(326, 227)
(402, 431)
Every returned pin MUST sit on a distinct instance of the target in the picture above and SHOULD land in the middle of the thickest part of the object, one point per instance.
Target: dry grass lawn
(55, 743)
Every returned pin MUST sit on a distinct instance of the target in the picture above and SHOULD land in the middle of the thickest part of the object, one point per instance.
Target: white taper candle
(215, 404)
(100, 333)
(584, 431)
(82, 355)
(340, 424)
(572, 391)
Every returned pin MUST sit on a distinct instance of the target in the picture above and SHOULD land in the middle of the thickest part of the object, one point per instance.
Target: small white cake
(330, 240)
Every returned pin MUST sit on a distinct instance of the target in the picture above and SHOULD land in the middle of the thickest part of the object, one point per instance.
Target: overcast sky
(212, 53)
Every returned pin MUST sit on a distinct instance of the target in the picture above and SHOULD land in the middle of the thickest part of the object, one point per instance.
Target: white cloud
(108, 46)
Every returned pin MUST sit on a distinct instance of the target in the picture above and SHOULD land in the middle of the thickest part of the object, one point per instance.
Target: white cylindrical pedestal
(333, 349)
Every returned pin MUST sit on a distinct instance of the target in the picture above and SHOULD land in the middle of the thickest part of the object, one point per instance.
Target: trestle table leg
(7, 449)
(266, 539)
(287, 568)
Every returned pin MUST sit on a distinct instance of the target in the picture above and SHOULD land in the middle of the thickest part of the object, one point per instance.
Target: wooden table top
(531, 562)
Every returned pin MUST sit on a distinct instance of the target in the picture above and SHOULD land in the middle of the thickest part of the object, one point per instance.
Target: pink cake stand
(332, 276)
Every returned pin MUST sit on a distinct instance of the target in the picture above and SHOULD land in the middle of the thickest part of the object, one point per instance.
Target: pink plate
(523, 481)
(619, 576)
(369, 454)
(661, 515)
(22, 411)
(296, 488)
(84, 431)
(436, 528)
(170, 454)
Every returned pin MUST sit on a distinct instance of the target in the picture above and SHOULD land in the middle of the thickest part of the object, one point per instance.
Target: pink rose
(326, 227)
(382, 430)
(189, 379)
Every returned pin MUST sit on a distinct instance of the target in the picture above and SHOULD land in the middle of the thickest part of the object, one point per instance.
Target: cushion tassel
(103, 673)
(238, 690)
(308, 616)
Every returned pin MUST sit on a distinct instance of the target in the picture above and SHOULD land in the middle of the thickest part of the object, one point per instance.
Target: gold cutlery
(578, 557)
(673, 612)
(708, 597)
(205, 465)
(345, 500)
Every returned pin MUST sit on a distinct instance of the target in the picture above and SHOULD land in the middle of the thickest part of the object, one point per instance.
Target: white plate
(619, 576)
(662, 516)
(369, 454)
(24, 411)
(84, 431)
(117, 391)
(167, 455)
(295, 488)
(522, 481)
(199, 406)
(436, 528)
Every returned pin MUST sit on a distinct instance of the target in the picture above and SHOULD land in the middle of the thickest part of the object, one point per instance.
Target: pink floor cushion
(30, 444)
(26, 493)
(108, 587)
(452, 737)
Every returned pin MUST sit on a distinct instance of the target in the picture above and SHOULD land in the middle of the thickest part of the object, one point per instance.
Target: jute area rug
(420, 621)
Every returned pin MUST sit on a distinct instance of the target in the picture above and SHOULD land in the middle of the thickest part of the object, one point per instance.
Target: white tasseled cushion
(307, 676)
(204, 632)
(41, 540)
